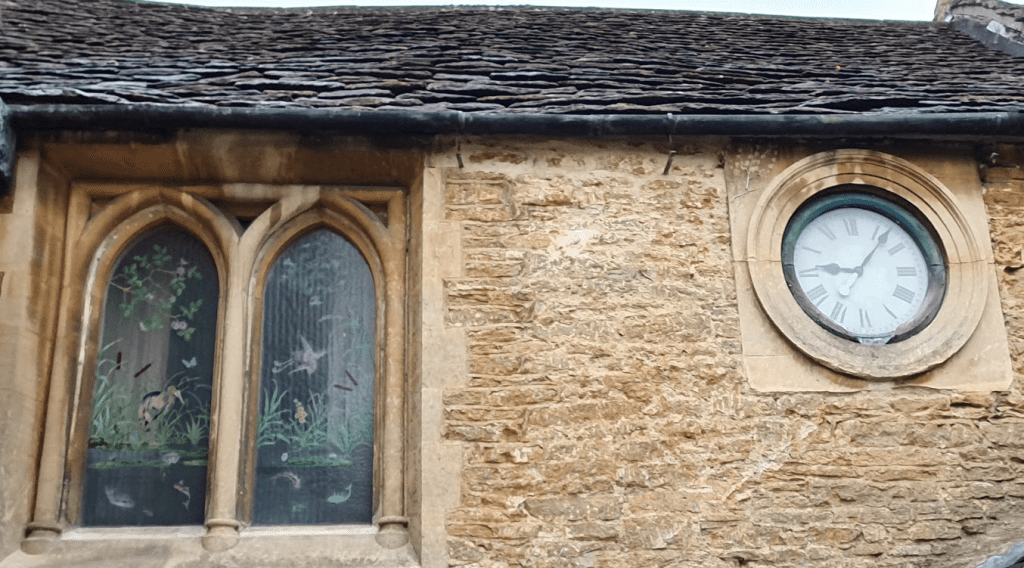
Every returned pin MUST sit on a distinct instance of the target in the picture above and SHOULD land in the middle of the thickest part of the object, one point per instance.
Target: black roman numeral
(865, 321)
(828, 232)
(838, 312)
(807, 248)
(817, 294)
(903, 294)
(906, 271)
(851, 226)
(890, 311)
(809, 273)
(896, 249)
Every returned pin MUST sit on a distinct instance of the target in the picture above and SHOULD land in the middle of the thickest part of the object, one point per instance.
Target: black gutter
(982, 126)
(978, 126)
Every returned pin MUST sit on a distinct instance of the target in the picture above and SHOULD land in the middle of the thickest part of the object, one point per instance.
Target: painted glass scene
(149, 427)
(315, 420)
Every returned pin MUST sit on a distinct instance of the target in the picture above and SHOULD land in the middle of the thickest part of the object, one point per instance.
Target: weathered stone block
(933, 530)
(482, 414)
(480, 213)
(462, 552)
(513, 454)
(492, 432)
(592, 531)
(476, 191)
(496, 364)
(551, 508)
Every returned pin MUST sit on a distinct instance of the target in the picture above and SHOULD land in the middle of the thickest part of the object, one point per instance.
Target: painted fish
(170, 458)
(182, 488)
(341, 497)
(119, 498)
(291, 477)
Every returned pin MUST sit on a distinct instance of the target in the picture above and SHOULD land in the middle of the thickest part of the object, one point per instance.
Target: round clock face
(863, 267)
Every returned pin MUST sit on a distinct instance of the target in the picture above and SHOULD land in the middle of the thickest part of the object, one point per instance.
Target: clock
(864, 265)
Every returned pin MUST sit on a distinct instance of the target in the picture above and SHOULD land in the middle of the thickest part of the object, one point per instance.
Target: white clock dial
(862, 271)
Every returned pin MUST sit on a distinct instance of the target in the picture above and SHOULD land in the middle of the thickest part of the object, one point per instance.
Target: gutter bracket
(458, 138)
(6, 151)
(671, 145)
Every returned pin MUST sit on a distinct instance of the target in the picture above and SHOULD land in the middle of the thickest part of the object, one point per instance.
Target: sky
(871, 9)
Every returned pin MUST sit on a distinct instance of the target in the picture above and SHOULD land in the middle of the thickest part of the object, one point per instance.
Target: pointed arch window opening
(148, 441)
(315, 421)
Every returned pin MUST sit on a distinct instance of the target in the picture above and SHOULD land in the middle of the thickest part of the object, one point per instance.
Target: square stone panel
(774, 364)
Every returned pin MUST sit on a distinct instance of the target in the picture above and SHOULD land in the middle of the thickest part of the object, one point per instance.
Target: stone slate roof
(493, 60)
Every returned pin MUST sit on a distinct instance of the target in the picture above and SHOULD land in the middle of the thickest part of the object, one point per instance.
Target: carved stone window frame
(964, 330)
(103, 220)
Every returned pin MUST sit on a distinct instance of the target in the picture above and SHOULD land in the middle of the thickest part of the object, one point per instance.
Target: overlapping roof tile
(493, 60)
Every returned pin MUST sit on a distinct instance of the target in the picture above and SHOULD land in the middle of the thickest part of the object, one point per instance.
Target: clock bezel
(896, 210)
(966, 291)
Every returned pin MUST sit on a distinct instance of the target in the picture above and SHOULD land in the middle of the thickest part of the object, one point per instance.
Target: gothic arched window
(315, 421)
(150, 419)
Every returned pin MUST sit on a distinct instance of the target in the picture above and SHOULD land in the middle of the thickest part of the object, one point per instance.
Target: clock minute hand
(881, 241)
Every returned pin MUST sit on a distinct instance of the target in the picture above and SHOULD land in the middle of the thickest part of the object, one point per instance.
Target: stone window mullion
(222, 525)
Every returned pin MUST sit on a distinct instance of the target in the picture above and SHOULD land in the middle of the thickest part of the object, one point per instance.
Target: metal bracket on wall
(6, 151)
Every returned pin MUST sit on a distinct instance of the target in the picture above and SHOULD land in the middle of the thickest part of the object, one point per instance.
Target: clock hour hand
(834, 268)
(844, 283)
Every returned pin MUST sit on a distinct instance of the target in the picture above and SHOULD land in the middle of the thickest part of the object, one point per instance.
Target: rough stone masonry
(606, 420)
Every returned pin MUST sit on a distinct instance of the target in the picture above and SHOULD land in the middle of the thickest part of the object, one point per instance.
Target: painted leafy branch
(154, 281)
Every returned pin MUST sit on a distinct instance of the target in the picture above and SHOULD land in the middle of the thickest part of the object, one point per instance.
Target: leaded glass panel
(149, 428)
(315, 420)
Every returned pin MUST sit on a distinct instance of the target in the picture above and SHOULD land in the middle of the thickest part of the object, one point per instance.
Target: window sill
(133, 533)
(173, 547)
(329, 530)
(163, 533)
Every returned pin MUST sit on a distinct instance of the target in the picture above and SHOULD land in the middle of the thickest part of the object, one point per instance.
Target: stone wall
(605, 419)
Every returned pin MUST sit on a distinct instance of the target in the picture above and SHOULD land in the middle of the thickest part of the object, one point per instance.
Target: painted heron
(155, 403)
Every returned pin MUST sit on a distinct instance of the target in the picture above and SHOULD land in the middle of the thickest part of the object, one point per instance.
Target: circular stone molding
(966, 291)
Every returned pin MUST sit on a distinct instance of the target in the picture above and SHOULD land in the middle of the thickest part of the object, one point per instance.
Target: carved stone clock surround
(964, 348)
